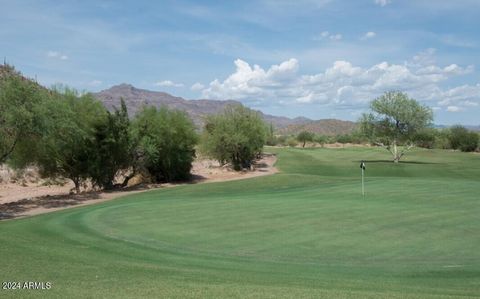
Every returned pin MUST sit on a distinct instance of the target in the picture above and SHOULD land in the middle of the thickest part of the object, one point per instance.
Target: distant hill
(135, 98)
(327, 127)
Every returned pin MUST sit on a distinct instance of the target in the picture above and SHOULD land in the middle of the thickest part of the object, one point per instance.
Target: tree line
(72, 135)
(69, 134)
(397, 123)
(456, 137)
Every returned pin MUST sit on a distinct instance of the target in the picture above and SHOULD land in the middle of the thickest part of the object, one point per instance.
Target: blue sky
(313, 58)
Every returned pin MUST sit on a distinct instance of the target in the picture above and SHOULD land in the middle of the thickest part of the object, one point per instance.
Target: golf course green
(305, 232)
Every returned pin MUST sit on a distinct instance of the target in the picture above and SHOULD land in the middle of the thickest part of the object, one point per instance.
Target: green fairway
(305, 232)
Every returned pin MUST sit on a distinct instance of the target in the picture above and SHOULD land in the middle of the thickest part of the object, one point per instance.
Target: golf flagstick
(362, 166)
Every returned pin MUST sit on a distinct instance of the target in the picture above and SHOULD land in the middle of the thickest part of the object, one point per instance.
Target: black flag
(362, 165)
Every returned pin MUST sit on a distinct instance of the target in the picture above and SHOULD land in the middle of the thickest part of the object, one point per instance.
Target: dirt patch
(28, 199)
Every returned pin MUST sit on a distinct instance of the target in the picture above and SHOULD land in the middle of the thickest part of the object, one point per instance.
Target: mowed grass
(303, 233)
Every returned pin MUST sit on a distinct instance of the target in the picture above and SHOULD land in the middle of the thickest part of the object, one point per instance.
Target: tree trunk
(304, 143)
(8, 152)
(396, 156)
(76, 182)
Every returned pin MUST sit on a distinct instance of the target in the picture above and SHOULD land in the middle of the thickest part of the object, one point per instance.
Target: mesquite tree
(394, 121)
(165, 143)
(65, 147)
(305, 136)
(19, 100)
(236, 136)
(113, 149)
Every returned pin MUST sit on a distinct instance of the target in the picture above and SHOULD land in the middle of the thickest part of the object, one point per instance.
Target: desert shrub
(282, 140)
(463, 139)
(358, 137)
(165, 142)
(442, 139)
(292, 142)
(345, 138)
(236, 136)
(113, 149)
(425, 138)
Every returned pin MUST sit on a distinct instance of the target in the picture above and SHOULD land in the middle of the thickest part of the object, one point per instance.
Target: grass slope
(305, 232)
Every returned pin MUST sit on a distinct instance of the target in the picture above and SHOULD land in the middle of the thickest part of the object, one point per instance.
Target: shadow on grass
(21, 207)
(18, 208)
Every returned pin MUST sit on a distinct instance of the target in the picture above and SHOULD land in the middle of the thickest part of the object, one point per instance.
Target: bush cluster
(235, 136)
(462, 139)
(456, 137)
(72, 135)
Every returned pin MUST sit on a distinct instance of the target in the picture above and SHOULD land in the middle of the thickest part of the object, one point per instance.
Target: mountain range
(136, 98)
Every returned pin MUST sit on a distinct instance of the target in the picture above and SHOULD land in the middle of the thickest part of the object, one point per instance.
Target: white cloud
(369, 35)
(197, 86)
(424, 58)
(305, 99)
(470, 104)
(382, 2)
(465, 96)
(56, 55)
(328, 35)
(453, 109)
(168, 83)
(456, 70)
(247, 82)
(344, 84)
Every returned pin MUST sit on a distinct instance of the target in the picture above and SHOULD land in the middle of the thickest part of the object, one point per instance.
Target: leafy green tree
(113, 149)
(463, 139)
(393, 122)
(69, 123)
(321, 139)
(166, 142)
(18, 119)
(236, 136)
(305, 136)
